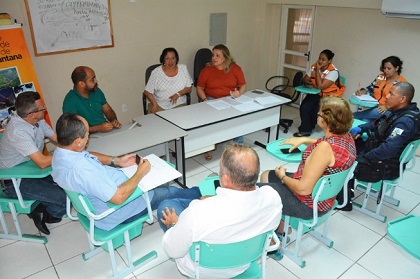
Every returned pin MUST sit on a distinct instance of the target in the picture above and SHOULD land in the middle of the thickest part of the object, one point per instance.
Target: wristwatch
(171, 225)
(113, 161)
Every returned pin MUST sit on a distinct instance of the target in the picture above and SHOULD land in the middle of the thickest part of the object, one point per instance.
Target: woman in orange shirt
(391, 68)
(220, 78)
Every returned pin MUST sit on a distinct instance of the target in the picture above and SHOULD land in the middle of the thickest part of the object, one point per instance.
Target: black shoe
(299, 134)
(48, 218)
(39, 222)
(347, 207)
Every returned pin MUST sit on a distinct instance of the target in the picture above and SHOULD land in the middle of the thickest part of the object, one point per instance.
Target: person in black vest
(393, 133)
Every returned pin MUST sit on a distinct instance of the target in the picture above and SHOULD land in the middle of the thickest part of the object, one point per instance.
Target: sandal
(299, 134)
(208, 155)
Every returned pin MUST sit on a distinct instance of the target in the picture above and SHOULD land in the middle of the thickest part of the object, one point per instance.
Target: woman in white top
(168, 83)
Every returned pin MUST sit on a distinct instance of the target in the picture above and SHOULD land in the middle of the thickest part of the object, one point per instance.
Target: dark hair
(79, 74)
(68, 128)
(25, 103)
(337, 114)
(405, 89)
(395, 61)
(328, 53)
(232, 163)
(165, 52)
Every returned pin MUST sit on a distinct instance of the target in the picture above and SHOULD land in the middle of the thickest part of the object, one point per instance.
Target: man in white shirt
(239, 211)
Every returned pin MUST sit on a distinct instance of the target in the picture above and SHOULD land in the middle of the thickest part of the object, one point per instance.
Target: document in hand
(366, 98)
(160, 173)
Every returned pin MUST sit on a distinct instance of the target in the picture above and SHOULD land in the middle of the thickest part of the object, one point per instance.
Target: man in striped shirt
(23, 140)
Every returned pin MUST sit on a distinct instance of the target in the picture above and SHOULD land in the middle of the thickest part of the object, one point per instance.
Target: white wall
(141, 30)
(359, 35)
(355, 30)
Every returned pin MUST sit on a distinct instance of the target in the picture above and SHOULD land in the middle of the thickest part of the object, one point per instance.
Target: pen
(134, 125)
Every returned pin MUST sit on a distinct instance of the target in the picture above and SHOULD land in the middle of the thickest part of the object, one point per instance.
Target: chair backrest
(406, 156)
(202, 57)
(149, 72)
(277, 84)
(80, 202)
(298, 79)
(219, 256)
(330, 185)
(409, 151)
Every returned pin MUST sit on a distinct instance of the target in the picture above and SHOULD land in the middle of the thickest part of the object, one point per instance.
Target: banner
(17, 73)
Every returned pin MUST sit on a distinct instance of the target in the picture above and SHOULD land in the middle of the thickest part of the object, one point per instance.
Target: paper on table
(366, 98)
(160, 173)
(219, 104)
(267, 100)
(243, 99)
(248, 107)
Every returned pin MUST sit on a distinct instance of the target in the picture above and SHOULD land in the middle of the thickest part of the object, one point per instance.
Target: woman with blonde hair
(220, 78)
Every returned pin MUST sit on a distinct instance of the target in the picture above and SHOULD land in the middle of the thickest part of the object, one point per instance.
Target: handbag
(369, 172)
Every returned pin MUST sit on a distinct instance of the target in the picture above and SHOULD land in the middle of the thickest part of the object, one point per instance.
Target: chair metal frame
(279, 90)
(146, 78)
(372, 190)
(20, 205)
(229, 255)
(326, 187)
(100, 240)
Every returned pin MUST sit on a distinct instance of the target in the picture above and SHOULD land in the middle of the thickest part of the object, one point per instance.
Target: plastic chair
(100, 240)
(405, 232)
(277, 85)
(146, 77)
(202, 57)
(312, 90)
(19, 205)
(327, 187)
(220, 256)
(385, 188)
(207, 186)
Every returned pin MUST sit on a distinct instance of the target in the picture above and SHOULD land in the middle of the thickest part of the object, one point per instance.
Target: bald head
(79, 74)
(241, 164)
(405, 89)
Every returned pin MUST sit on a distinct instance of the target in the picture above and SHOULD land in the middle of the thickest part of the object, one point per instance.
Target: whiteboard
(59, 26)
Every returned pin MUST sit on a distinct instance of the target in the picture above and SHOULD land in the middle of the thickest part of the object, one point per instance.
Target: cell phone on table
(286, 150)
(257, 91)
(137, 159)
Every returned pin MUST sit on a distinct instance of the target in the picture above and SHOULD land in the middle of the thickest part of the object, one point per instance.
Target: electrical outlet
(124, 108)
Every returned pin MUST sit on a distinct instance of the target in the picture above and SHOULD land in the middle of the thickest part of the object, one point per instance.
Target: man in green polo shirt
(88, 101)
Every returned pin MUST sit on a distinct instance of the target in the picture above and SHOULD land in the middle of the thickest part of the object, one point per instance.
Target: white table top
(153, 131)
(201, 114)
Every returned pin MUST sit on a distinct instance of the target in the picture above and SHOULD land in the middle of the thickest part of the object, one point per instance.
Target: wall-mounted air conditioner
(401, 8)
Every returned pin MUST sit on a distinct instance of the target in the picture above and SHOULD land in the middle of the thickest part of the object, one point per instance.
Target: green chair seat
(326, 187)
(372, 190)
(405, 232)
(231, 255)
(19, 205)
(100, 240)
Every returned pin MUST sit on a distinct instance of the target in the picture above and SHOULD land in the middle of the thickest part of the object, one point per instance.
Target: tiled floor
(361, 246)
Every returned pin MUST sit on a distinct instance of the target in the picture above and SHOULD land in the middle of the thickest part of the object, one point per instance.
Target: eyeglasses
(43, 109)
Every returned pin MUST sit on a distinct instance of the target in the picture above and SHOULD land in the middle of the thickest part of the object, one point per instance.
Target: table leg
(180, 161)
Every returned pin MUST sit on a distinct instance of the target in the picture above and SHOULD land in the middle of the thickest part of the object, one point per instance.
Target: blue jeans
(44, 190)
(164, 193)
(369, 115)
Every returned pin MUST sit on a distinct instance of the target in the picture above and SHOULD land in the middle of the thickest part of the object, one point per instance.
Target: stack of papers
(366, 98)
(160, 173)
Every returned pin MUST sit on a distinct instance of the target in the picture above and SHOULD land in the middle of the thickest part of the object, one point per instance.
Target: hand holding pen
(235, 93)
